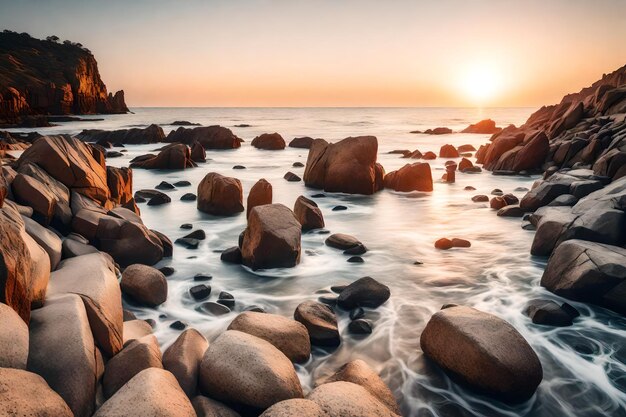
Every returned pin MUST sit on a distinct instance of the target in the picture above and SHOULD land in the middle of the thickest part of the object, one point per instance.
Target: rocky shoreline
(75, 250)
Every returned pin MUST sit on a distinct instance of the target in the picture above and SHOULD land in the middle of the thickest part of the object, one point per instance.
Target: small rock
(443, 243)
(164, 186)
(320, 321)
(496, 191)
(228, 302)
(469, 188)
(481, 198)
(200, 292)
(318, 195)
(342, 241)
(497, 203)
(188, 197)
(357, 313)
(186, 226)
(203, 277)
(356, 260)
(182, 184)
(167, 271)
(364, 292)
(232, 255)
(188, 243)
(297, 165)
(340, 208)
(159, 200)
(215, 309)
(178, 325)
(359, 249)
(548, 313)
(239, 167)
(460, 243)
(255, 308)
(360, 326)
(196, 234)
(291, 177)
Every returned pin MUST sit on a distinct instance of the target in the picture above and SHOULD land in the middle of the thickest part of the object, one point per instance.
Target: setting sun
(480, 83)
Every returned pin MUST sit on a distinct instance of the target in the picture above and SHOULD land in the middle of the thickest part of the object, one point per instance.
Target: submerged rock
(210, 137)
(483, 352)
(302, 142)
(549, 313)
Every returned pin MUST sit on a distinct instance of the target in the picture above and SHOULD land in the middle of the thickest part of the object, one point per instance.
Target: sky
(483, 53)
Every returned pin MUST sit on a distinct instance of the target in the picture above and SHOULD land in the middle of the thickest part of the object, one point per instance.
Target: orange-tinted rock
(269, 141)
(174, 156)
(302, 142)
(210, 137)
(443, 243)
(260, 193)
(448, 151)
(308, 214)
(429, 155)
(272, 238)
(120, 182)
(71, 162)
(487, 126)
(411, 177)
(347, 166)
(465, 164)
(220, 195)
(497, 203)
(460, 243)
(30, 192)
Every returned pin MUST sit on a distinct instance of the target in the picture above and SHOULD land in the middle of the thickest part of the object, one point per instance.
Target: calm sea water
(584, 365)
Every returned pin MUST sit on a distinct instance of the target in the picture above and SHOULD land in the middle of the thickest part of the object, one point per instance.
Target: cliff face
(585, 130)
(45, 77)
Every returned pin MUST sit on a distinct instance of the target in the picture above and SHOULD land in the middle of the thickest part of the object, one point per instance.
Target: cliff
(41, 77)
(585, 130)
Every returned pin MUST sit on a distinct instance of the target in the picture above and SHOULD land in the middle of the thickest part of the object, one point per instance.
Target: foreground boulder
(588, 271)
(220, 195)
(272, 238)
(152, 392)
(128, 242)
(269, 141)
(348, 399)
(71, 162)
(13, 339)
(174, 156)
(308, 214)
(27, 394)
(358, 372)
(92, 277)
(210, 137)
(206, 407)
(244, 369)
(483, 352)
(320, 322)
(411, 177)
(144, 284)
(296, 407)
(289, 336)
(60, 330)
(348, 166)
(183, 359)
(260, 193)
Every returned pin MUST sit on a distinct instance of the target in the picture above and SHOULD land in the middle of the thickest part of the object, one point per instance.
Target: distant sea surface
(584, 371)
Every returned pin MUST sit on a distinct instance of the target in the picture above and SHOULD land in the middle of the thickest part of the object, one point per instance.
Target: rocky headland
(45, 77)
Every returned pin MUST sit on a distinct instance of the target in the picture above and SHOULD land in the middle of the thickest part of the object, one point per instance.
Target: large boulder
(295, 407)
(47, 239)
(269, 141)
(260, 193)
(364, 292)
(26, 394)
(483, 352)
(308, 213)
(93, 278)
(272, 238)
(289, 336)
(71, 162)
(588, 271)
(173, 156)
(137, 355)
(244, 369)
(120, 182)
(320, 321)
(152, 392)
(144, 284)
(206, 407)
(133, 136)
(358, 372)
(448, 151)
(348, 399)
(347, 166)
(128, 242)
(210, 137)
(183, 359)
(411, 177)
(62, 351)
(220, 195)
(13, 339)
(30, 192)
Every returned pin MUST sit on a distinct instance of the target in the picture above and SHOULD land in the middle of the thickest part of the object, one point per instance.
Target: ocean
(583, 364)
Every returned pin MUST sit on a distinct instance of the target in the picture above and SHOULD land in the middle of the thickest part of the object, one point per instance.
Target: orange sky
(338, 53)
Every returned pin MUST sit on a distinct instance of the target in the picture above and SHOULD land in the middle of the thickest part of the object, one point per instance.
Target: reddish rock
(347, 166)
(120, 183)
(210, 137)
(448, 151)
(465, 164)
(198, 154)
(460, 243)
(466, 148)
(272, 238)
(220, 195)
(497, 203)
(487, 126)
(411, 177)
(429, 155)
(173, 156)
(30, 192)
(443, 243)
(303, 142)
(308, 214)
(269, 141)
(260, 193)
(128, 242)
